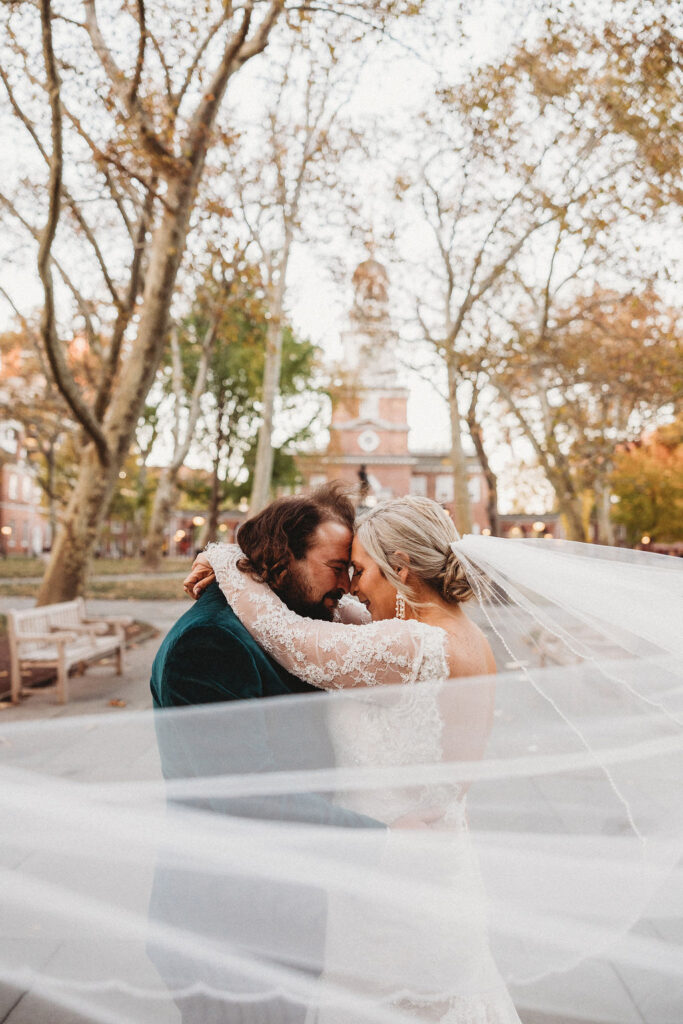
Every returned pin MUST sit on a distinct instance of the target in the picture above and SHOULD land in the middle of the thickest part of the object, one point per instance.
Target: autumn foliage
(648, 480)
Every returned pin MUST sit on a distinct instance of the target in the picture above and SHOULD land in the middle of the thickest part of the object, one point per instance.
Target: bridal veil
(187, 864)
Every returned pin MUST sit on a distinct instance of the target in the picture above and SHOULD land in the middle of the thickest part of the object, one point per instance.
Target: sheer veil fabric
(523, 840)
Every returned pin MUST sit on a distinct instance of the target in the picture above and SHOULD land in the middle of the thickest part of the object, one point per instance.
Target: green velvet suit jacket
(208, 655)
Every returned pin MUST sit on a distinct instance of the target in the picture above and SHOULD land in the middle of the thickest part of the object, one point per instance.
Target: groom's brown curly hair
(284, 530)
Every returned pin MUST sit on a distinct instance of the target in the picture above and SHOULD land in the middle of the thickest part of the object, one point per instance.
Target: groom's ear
(279, 572)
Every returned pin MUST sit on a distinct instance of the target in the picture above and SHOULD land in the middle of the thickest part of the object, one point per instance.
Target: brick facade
(24, 529)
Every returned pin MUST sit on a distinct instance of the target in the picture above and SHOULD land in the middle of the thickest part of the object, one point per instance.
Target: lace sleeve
(330, 655)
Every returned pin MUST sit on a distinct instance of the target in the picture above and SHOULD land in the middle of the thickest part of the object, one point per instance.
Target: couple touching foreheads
(302, 602)
(403, 571)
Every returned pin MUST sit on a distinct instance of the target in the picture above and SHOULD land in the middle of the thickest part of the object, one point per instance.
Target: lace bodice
(330, 655)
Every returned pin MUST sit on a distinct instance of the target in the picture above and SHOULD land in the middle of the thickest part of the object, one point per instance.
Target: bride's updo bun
(415, 533)
(455, 586)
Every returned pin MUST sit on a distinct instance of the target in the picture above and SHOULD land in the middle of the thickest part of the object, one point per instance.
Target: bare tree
(479, 228)
(579, 343)
(182, 433)
(152, 179)
(582, 379)
(510, 210)
(123, 136)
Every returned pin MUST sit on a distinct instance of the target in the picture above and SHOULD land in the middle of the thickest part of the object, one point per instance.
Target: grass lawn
(17, 568)
(14, 568)
(155, 588)
(124, 566)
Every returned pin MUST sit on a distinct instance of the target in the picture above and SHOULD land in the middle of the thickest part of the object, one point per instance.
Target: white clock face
(368, 440)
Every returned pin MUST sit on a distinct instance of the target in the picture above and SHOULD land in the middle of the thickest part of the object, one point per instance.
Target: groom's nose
(343, 580)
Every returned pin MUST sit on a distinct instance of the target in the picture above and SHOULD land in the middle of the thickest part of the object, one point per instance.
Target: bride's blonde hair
(415, 533)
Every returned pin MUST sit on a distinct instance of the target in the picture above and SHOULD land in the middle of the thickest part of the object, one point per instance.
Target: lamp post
(197, 523)
(6, 532)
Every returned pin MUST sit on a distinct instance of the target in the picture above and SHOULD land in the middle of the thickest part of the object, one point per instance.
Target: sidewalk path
(91, 693)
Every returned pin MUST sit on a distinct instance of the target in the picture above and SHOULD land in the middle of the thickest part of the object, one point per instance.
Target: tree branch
(135, 84)
(167, 73)
(204, 115)
(21, 115)
(258, 43)
(87, 231)
(80, 219)
(35, 233)
(197, 392)
(65, 382)
(177, 98)
(126, 308)
(129, 100)
(101, 160)
(543, 325)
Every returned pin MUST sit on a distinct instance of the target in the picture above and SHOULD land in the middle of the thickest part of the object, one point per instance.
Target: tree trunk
(571, 511)
(461, 494)
(603, 507)
(164, 499)
(66, 572)
(72, 548)
(167, 490)
(489, 475)
(214, 504)
(50, 463)
(139, 515)
(263, 468)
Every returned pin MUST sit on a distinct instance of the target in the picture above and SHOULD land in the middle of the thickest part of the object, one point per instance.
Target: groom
(301, 546)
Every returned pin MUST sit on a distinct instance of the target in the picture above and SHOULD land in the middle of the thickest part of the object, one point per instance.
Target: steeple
(370, 342)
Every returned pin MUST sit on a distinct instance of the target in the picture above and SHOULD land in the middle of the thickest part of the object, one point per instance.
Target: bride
(406, 574)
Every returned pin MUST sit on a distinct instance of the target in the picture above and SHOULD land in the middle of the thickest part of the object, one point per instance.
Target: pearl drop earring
(400, 606)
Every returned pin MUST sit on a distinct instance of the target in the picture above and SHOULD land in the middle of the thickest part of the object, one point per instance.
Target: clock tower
(368, 446)
(369, 428)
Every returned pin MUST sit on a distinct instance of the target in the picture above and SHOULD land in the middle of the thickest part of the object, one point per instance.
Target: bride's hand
(418, 819)
(200, 577)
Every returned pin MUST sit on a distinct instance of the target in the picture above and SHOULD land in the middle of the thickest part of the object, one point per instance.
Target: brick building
(369, 427)
(24, 529)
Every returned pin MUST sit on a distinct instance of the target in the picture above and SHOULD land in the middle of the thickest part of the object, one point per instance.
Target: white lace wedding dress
(442, 970)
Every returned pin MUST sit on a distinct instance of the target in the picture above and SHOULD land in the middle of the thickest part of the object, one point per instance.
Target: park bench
(60, 636)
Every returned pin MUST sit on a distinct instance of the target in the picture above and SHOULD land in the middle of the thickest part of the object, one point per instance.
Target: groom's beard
(298, 594)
